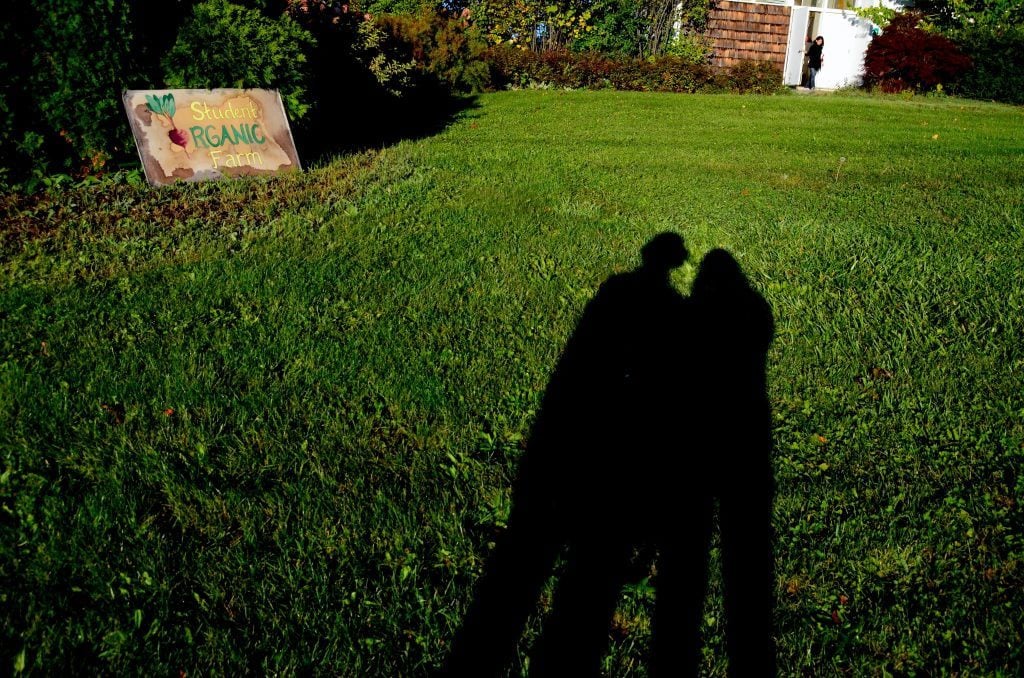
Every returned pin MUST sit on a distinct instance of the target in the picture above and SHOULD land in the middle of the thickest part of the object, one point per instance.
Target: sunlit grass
(272, 425)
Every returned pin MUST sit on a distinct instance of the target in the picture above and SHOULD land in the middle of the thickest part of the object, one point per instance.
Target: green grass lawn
(272, 425)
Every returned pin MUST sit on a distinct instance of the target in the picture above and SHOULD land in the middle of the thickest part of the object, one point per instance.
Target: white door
(798, 17)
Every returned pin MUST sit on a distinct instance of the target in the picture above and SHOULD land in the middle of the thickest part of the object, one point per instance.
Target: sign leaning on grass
(198, 134)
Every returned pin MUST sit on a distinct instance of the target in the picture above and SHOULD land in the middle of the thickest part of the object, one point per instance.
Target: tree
(639, 28)
(991, 33)
(950, 15)
(535, 24)
(618, 28)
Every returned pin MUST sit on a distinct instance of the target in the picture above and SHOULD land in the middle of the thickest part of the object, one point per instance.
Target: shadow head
(719, 270)
(664, 252)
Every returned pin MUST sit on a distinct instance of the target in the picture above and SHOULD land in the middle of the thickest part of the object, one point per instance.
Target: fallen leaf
(116, 411)
(880, 373)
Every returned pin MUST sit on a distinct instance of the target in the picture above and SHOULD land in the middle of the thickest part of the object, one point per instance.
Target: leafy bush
(225, 44)
(751, 77)
(15, 104)
(444, 46)
(66, 62)
(379, 79)
(352, 52)
(995, 53)
(905, 57)
(693, 47)
(618, 28)
(520, 68)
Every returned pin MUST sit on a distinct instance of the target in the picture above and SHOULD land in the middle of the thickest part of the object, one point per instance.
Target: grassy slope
(352, 358)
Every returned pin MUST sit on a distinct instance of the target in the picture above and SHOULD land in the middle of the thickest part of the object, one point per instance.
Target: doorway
(804, 26)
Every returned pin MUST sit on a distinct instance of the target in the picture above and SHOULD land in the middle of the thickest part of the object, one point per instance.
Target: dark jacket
(814, 55)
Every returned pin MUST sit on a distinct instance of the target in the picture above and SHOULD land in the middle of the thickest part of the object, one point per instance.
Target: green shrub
(618, 28)
(225, 44)
(357, 77)
(692, 47)
(443, 46)
(67, 79)
(996, 55)
(15, 104)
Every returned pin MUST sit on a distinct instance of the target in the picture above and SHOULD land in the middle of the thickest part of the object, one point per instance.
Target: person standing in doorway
(814, 60)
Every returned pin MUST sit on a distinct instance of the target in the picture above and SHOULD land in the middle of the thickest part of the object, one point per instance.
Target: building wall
(748, 31)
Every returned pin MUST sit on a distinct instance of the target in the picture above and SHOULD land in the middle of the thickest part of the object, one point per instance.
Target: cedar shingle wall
(744, 30)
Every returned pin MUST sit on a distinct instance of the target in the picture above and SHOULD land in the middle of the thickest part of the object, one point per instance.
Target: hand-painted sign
(197, 134)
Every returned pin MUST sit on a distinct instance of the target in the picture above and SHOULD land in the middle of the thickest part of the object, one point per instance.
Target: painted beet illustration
(165, 106)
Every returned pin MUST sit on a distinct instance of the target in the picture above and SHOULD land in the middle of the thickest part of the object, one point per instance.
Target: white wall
(846, 38)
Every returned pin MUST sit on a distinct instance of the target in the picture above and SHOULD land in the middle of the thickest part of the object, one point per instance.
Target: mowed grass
(271, 426)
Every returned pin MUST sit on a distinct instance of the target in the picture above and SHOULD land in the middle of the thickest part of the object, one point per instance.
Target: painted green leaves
(165, 106)
(161, 105)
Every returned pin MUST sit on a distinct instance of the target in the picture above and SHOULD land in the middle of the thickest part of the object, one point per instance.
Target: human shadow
(604, 474)
(729, 467)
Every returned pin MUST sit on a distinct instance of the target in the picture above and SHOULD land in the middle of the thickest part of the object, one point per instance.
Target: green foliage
(446, 48)
(638, 28)
(81, 60)
(692, 47)
(392, 73)
(352, 53)
(947, 15)
(660, 17)
(382, 82)
(407, 7)
(879, 15)
(15, 114)
(532, 24)
(996, 55)
(224, 44)
(618, 29)
(512, 23)
(991, 34)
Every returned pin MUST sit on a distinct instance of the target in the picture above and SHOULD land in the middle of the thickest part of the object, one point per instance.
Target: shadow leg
(506, 595)
(748, 575)
(575, 637)
(681, 587)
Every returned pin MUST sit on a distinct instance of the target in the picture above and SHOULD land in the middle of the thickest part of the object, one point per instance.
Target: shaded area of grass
(272, 425)
(379, 120)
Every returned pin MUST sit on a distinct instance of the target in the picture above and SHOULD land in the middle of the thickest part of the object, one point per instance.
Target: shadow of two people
(656, 411)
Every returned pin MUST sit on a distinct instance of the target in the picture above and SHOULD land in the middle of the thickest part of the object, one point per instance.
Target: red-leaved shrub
(906, 57)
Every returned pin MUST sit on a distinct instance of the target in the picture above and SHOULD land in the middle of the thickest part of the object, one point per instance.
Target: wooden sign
(199, 134)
